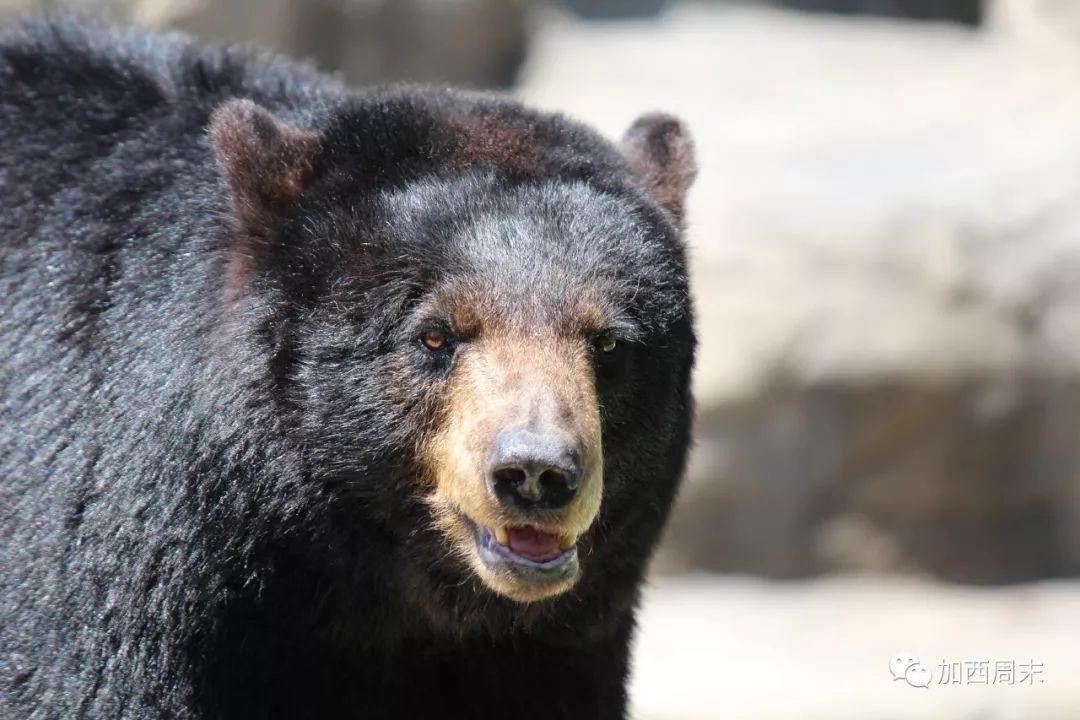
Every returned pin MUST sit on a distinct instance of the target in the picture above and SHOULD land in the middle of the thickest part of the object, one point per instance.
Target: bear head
(475, 323)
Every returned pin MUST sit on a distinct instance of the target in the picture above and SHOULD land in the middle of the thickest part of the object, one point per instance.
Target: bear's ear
(267, 162)
(661, 154)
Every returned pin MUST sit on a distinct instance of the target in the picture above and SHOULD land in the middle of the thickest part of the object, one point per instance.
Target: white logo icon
(905, 666)
(918, 676)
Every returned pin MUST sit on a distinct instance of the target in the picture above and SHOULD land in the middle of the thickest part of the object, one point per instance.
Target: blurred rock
(886, 245)
(970, 481)
(965, 11)
(466, 42)
(611, 9)
(1053, 23)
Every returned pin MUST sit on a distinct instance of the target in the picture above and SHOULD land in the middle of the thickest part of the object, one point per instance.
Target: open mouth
(527, 554)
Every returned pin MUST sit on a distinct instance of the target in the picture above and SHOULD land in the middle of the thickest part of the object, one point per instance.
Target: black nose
(534, 471)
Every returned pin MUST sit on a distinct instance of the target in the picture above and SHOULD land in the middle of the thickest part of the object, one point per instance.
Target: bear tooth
(566, 542)
(502, 536)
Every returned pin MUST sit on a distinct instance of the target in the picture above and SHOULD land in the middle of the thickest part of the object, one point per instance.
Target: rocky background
(886, 245)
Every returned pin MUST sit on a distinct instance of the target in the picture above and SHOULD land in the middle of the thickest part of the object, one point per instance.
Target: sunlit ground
(746, 649)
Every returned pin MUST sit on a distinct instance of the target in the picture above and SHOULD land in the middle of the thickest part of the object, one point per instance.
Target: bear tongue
(533, 544)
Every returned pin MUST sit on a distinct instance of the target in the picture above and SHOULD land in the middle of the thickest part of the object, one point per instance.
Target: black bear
(318, 403)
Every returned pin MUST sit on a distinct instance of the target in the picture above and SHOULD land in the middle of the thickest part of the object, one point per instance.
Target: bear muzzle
(518, 467)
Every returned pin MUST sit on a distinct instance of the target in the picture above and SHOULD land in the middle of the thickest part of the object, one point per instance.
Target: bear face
(489, 314)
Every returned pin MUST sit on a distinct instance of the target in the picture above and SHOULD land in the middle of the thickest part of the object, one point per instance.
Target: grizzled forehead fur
(537, 254)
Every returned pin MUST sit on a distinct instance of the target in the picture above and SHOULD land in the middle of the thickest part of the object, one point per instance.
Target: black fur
(209, 503)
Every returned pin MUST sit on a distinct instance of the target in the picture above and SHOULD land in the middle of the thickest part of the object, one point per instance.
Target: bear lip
(532, 543)
(529, 547)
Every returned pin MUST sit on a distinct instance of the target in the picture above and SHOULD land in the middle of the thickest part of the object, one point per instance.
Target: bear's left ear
(661, 154)
(267, 162)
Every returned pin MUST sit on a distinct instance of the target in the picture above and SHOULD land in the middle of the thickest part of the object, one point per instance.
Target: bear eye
(606, 343)
(434, 340)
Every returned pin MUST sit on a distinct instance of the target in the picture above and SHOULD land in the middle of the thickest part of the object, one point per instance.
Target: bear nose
(534, 471)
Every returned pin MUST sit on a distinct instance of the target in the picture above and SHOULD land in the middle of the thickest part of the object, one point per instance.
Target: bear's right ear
(267, 162)
(661, 154)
